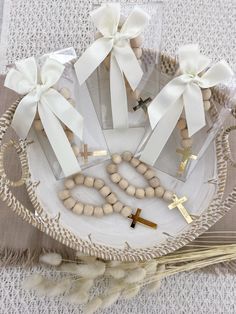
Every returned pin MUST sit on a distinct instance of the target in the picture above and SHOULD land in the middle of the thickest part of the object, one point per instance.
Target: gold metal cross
(86, 153)
(187, 155)
(136, 218)
(178, 202)
(142, 104)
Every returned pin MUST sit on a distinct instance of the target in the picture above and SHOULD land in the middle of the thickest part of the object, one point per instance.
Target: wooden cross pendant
(186, 156)
(86, 153)
(137, 219)
(142, 104)
(178, 202)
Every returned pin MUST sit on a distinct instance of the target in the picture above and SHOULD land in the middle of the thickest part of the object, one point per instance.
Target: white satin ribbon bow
(123, 60)
(51, 105)
(182, 92)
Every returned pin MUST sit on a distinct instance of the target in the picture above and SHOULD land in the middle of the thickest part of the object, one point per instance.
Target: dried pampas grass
(124, 279)
(109, 299)
(93, 306)
(32, 281)
(52, 259)
(135, 275)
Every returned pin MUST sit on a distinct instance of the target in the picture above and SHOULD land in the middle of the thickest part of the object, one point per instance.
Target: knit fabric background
(29, 28)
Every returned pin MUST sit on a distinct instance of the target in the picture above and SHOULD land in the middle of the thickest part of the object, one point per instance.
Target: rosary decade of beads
(155, 189)
(112, 203)
(186, 141)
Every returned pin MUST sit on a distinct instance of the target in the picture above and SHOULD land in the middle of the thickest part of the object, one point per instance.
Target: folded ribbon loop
(123, 60)
(182, 93)
(40, 95)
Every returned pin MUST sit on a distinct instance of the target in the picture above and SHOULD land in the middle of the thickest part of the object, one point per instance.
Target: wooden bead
(135, 162)
(168, 196)
(115, 177)
(38, 125)
(98, 184)
(187, 142)
(127, 156)
(184, 133)
(105, 190)
(118, 207)
(149, 192)
(65, 92)
(159, 191)
(107, 62)
(111, 198)
(136, 42)
(138, 52)
(154, 182)
(89, 181)
(181, 124)
(69, 135)
(37, 116)
(111, 168)
(140, 193)
(97, 35)
(78, 208)
(108, 209)
(126, 211)
(79, 179)
(69, 184)
(69, 203)
(72, 102)
(130, 190)
(98, 212)
(116, 158)
(149, 174)
(63, 194)
(135, 94)
(76, 150)
(207, 105)
(142, 168)
(88, 210)
(123, 184)
(206, 94)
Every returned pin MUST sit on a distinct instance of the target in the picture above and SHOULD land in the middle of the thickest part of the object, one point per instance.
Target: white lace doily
(37, 26)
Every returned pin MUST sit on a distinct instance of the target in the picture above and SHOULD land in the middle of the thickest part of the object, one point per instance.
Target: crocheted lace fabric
(30, 28)
(186, 293)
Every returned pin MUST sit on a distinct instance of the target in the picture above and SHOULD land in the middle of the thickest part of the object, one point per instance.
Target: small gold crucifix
(86, 153)
(186, 156)
(178, 202)
(142, 104)
(137, 219)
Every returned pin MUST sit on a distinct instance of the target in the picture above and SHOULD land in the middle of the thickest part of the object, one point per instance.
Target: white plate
(114, 230)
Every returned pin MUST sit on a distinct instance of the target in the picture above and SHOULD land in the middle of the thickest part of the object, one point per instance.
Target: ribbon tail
(161, 133)
(119, 104)
(194, 108)
(128, 64)
(58, 141)
(64, 111)
(168, 96)
(92, 58)
(24, 116)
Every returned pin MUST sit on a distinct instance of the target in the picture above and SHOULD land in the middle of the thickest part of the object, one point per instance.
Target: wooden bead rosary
(133, 96)
(112, 203)
(79, 152)
(155, 189)
(186, 141)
